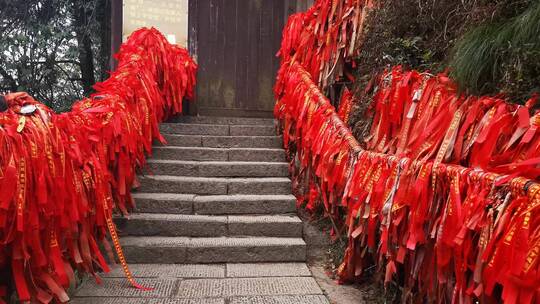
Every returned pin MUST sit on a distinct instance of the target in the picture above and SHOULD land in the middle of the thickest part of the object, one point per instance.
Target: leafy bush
(53, 49)
(501, 56)
(489, 46)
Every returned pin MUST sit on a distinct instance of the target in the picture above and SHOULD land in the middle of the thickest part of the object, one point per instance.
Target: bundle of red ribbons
(62, 175)
(422, 117)
(444, 232)
(325, 38)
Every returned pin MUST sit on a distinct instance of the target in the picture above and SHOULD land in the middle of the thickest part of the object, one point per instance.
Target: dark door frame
(193, 47)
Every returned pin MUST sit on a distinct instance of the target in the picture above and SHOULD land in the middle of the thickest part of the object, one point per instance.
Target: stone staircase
(215, 221)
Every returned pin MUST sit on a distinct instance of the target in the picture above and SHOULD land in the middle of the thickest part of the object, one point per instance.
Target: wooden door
(235, 43)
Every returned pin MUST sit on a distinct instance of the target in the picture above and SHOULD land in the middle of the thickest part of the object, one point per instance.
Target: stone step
(112, 298)
(217, 204)
(198, 271)
(152, 224)
(211, 288)
(223, 120)
(214, 185)
(218, 168)
(261, 282)
(219, 154)
(220, 130)
(210, 141)
(182, 250)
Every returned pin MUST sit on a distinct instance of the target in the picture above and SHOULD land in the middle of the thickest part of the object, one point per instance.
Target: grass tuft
(500, 56)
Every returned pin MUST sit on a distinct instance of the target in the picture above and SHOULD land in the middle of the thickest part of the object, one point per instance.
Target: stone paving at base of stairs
(266, 283)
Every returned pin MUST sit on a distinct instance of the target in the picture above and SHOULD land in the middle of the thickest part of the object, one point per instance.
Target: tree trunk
(105, 36)
(9, 79)
(86, 57)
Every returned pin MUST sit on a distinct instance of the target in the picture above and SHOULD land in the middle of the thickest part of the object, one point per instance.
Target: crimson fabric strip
(442, 231)
(422, 116)
(62, 175)
(325, 38)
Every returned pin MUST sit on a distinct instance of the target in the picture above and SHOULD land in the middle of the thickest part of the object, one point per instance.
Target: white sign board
(168, 16)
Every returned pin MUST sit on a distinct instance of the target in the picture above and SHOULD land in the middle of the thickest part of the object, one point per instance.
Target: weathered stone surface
(191, 153)
(218, 168)
(171, 203)
(219, 154)
(240, 250)
(268, 270)
(113, 287)
(210, 141)
(242, 141)
(257, 154)
(244, 204)
(214, 185)
(170, 271)
(194, 129)
(174, 167)
(247, 287)
(265, 225)
(95, 300)
(164, 203)
(246, 130)
(307, 299)
(183, 140)
(218, 129)
(155, 250)
(222, 120)
(183, 184)
(151, 224)
(244, 169)
(270, 185)
(176, 250)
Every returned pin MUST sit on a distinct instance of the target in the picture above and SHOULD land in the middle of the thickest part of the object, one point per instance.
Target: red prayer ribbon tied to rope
(444, 232)
(423, 117)
(61, 175)
(325, 37)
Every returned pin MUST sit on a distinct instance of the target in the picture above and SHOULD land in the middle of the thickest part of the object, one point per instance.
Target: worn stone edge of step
(176, 250)
(219, 154)
(155, 224)
(218, 168)
(224, 141)
(217, 129)
(296, 299)
(223, 270)
(213, 204)
(222, 120)
(207, 287)
(211, 241)
(214, 185)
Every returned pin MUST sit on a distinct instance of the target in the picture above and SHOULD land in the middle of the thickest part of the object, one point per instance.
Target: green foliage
(501, 56)
(40, 49)
(499, 52)
(409, 51)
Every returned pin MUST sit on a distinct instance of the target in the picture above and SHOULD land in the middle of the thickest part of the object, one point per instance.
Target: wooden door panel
(236, 45)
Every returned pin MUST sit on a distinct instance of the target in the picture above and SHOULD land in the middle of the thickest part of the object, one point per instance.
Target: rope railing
(62, 175)
(442, 232)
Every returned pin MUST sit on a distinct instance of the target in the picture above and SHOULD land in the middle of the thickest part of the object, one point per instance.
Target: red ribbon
(451, 232)
(62, 175)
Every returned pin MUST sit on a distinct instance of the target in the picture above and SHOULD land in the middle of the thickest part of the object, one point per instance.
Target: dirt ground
(345, 294)
(321, 256)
